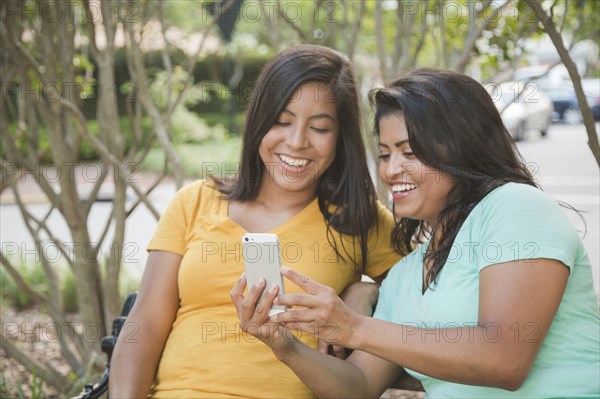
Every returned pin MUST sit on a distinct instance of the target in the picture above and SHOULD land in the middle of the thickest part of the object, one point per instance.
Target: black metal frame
(108, 344)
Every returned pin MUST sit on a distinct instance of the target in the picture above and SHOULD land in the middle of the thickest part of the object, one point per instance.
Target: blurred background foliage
(412, 33)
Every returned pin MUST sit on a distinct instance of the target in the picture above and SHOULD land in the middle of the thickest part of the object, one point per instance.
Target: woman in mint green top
(497, 298)
(567, 364)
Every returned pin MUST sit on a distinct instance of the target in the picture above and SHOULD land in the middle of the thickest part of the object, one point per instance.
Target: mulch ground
(26, 330)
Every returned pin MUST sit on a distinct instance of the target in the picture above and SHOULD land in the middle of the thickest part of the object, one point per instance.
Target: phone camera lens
(246, 238)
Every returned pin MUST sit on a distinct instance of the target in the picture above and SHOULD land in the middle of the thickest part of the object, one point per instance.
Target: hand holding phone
(262, 260)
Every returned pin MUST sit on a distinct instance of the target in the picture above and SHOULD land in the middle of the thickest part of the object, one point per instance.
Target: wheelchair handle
(108, 345)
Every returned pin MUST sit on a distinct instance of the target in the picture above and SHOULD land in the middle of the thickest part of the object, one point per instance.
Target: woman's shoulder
(515, 190)
(516, 209)
(518, 197)
(383, 212)
(199, 189)
(199, 197)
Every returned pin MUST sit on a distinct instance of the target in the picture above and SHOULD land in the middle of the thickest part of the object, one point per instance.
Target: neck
(437, 233)
(273, 197)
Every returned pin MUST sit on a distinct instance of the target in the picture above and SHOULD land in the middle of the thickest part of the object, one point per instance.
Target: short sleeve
(520, 222)
(385, 304)
(382, 255)
(170, 234)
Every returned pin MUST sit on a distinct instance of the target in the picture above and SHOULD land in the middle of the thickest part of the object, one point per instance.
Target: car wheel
(544, 131)
(520, 132)
(572, 116)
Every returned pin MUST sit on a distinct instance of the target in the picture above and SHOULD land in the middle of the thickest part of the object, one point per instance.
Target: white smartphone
(262, 260)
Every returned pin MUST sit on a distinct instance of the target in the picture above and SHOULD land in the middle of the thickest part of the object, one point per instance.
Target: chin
(405, 215)
(298, 187)
(295, 182)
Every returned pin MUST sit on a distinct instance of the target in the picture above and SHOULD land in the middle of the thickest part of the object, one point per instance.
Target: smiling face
(419, 191)
(301, 144)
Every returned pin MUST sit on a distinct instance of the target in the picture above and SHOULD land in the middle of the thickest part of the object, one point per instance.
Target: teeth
(403, 187)
(293, 162)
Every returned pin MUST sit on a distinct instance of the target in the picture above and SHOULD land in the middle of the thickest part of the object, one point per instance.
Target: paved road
(566, 169)
(562, 163)
(140, 225)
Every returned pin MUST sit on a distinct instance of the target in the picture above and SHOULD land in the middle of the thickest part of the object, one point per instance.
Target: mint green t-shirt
(513, 222)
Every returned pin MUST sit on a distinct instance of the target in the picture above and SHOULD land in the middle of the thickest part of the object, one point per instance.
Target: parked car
(523, 108)
(565, 103)
(591, 87)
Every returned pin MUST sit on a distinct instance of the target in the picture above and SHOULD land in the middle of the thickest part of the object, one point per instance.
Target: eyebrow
(397, 145)
(317, 116)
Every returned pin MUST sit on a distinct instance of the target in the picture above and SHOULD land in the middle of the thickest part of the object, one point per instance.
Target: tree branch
(152, 187)
(295, 28)
(94, 193)
(14, 157)
(45, 302)
(413, 61)
(588, 117)
(56, 300)
(92, 29)
(40, 299)
(356, 26)
(381, 51)
(475, 33)
(165, 55)
(160, 124)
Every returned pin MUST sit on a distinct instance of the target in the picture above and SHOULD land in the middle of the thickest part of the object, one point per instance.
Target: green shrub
(127, 284)
(35, 386)
(213, 119)
(187, 127)
(217, 156)
(86, 150)
(36, 382)
(33, 275)
(69, 292)
(8, 288)
(215, 68)
(210, 72)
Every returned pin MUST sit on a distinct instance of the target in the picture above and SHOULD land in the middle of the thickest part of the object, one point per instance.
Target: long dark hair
(454, 127)
(345, 191)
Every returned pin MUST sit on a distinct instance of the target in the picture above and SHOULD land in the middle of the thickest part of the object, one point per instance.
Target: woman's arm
(361, 297)
(518, 301)
(136, 356)
(361, 375)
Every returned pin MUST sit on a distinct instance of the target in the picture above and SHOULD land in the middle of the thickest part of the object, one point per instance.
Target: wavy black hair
(345, 191)
(454, 127)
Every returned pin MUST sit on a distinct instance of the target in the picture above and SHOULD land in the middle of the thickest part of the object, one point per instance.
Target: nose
(298, 139)
(394, 167)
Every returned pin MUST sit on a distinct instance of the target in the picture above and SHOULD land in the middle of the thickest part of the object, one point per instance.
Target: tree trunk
(588, 117)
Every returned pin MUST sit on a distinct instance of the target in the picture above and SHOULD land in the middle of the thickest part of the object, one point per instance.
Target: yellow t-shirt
(206, 354)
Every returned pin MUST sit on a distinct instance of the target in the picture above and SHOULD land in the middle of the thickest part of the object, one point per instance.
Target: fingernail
(259, 283)
(272, 289)
(284, 269)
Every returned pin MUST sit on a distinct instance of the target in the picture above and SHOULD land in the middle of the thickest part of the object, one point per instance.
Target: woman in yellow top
(303, 175)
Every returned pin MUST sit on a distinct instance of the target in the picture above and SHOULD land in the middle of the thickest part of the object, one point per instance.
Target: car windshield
(506, 97)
